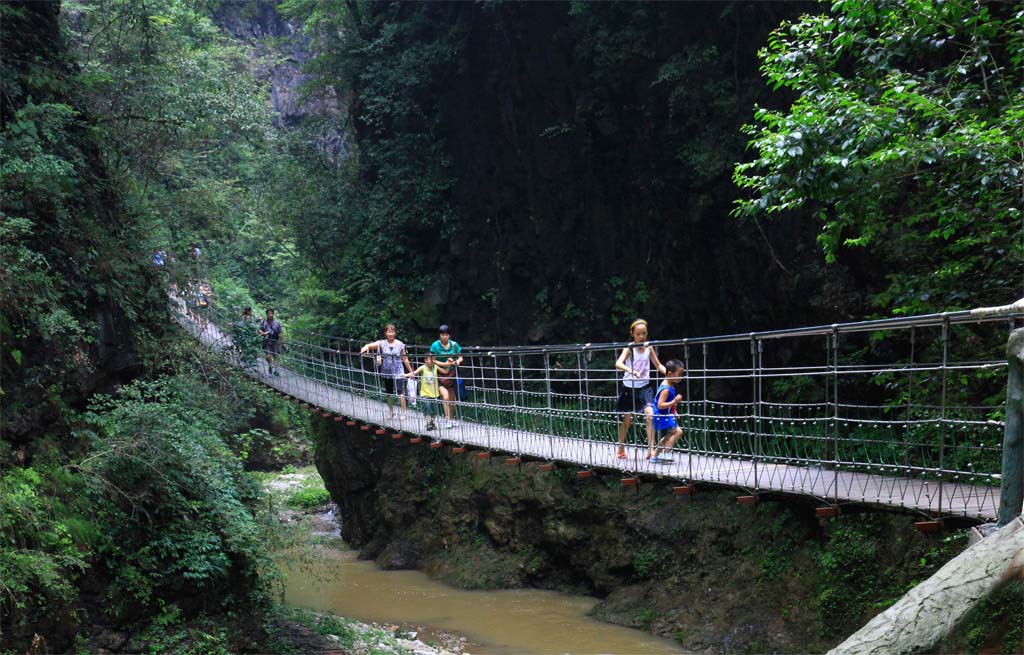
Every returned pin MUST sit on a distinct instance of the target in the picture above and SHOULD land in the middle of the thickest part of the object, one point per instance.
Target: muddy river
(519, 622)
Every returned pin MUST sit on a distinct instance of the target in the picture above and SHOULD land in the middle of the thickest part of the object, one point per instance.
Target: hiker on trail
(393, 363)
(449, 353)
(197, 302)
(273, 340)
(636, 394)
(159, 258)
(246, 338)
(204, 298)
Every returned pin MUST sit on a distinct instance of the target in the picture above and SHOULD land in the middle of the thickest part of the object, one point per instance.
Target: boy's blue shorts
(429, 406)
(664, 425)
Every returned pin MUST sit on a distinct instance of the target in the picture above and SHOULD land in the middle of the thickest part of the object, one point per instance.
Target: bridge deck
(829, 485)
(930, 497)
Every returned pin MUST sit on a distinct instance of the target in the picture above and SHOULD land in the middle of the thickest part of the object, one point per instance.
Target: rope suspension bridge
(906, 412)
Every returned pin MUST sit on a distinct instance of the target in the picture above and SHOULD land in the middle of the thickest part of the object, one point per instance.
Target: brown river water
(506, 622)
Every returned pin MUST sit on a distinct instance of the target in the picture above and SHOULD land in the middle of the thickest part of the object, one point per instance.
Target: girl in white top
(636, 393)
(391, 360)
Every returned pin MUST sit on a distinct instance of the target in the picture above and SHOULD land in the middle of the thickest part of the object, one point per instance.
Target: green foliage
(170, 632)
(180, 518)
(145, 133)
(996, 624)
(310, 498)
(646, 560)
(905, 141)
(39, 559)
(852, 586)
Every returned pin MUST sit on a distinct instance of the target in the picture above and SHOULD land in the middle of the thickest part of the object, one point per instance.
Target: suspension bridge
(905, 412)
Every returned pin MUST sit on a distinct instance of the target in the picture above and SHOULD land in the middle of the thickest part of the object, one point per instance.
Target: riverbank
(309, 530)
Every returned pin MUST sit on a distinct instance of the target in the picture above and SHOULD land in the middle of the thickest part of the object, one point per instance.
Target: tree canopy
(906, 139)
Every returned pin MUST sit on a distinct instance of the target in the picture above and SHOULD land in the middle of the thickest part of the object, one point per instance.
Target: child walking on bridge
(665, 419)
(636, 394)
(430, 394)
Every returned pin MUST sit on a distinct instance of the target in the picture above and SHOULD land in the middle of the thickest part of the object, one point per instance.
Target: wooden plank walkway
(930, 497)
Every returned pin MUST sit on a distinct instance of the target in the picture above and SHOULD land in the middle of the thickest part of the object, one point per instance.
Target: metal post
(835, 411)
(580, 364)
(590, 416)
(1011, 493)
(551, 417)
(755, 356)
(704, 397)
(686, 430)
(942, 410)
(497, 404)
(522, 387)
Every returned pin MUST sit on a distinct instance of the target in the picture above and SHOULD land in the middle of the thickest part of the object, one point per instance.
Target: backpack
(203, 302)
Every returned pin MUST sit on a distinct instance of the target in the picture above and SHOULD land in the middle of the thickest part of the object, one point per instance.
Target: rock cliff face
(279, 52)
(715, 576)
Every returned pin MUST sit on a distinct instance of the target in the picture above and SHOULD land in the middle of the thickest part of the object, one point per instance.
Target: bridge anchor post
(1011, 491)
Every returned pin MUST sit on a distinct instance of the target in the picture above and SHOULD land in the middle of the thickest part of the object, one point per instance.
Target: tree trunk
(929, 611)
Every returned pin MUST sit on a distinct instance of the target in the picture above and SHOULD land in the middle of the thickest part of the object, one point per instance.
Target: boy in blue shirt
(665, 420)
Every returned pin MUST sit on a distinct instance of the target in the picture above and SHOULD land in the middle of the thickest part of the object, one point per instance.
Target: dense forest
(526, 172)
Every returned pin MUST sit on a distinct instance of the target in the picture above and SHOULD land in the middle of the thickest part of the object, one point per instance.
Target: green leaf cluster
(906, 140)
(180, 516)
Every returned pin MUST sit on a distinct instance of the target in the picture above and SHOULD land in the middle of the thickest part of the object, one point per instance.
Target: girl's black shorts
(633, 401)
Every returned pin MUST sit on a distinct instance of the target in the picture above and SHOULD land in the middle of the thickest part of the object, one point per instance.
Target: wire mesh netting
(906, 412)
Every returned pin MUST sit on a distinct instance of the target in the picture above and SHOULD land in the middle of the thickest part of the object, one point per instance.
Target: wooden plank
(928, 527)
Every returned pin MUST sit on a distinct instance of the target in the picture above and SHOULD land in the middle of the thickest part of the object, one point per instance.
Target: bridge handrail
(967, 316)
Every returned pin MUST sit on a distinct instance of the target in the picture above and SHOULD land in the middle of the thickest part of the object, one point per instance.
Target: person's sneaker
(276, 374)
(661, 460)
(430, 425)
(621, 454)
(451, 424)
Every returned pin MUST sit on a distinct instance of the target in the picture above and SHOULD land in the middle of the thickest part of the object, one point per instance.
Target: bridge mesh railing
(920, 398)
